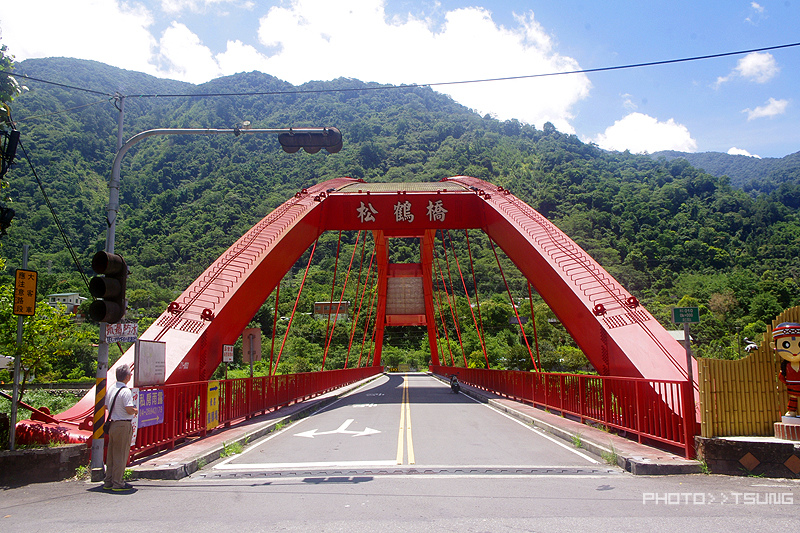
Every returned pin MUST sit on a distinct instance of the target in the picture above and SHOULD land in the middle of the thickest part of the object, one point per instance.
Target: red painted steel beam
(619, 336)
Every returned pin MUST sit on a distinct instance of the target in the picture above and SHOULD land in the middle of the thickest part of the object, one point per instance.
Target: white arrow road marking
(341, 429)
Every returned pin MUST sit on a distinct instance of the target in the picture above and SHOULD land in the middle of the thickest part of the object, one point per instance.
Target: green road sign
(683, 315)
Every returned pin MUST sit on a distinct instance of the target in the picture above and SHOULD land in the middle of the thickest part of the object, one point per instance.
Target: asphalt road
(408, 421)
(404, 454)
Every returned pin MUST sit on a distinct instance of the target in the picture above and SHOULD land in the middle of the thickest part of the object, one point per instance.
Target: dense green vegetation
(753, 174)
(669, 232)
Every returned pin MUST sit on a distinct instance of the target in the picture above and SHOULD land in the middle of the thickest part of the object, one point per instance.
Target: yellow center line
(408, 428)
(402, 426)
(405, 426)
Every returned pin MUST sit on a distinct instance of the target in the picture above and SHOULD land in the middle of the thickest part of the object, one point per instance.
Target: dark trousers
(119, 448)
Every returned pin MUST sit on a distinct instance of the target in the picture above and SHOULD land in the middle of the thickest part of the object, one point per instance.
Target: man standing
(121, 410)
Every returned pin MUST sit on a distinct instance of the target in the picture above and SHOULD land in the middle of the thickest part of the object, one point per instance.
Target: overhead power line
(434, 84)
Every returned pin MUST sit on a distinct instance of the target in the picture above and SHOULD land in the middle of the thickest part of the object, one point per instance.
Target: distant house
(70, 300)
(323, 309)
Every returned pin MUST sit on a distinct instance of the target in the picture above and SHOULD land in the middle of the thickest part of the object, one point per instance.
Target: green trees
(52, 348)
(663, 228)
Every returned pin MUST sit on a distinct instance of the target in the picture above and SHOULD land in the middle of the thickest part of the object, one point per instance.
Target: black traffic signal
(6, 216)
(110, 287)
(9, 151)
(312, 140)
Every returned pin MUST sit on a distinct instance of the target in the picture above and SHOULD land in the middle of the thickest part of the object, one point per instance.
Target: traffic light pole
(310, 139)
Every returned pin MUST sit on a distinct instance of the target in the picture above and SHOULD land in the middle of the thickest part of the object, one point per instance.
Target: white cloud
(756, 66)
(195, 6)
(772, 108)
(101, 30)
(739, 151)
(319, 39)
(640, 133)
(628, 103)
(758, 11)
(240, 57)
(304, 40)
(185, 57)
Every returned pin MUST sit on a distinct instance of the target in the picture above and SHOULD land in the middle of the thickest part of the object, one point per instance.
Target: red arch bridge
(643, 387)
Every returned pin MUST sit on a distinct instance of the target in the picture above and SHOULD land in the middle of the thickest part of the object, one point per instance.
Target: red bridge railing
(186, 412)
(649, 410)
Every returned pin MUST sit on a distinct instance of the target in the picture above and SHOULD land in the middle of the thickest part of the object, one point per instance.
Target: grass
(231, 449)
(576, 440)
(55, 400)
(610, 457)
(81, 473)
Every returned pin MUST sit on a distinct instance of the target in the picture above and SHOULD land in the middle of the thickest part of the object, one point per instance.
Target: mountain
(752, 174)
(662, 226)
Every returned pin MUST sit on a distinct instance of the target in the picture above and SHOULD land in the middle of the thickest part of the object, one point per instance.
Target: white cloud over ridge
(305, 40)
(740, 151)
(642, 133)
(360, 42)
(123, 30)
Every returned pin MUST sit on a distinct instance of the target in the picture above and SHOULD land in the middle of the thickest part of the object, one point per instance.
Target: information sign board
(212, 407)
(122, 332)
(25, 292)
(683, 315)
(151, 407)
(150, 363)
(227, 353)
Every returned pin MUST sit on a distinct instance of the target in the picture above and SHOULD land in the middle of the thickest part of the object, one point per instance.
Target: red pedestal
(790, 431)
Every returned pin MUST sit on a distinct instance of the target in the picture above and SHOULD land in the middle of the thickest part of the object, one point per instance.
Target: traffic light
(6, 216)
(9, 151)
(312, 140)
(110, 287)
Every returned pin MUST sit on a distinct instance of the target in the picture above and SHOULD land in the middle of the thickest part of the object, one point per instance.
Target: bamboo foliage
(744, 397)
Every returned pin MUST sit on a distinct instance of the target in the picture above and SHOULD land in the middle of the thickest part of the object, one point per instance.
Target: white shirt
(125, 400)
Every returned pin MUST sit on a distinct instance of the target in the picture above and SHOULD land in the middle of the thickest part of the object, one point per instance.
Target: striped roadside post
(97, 471)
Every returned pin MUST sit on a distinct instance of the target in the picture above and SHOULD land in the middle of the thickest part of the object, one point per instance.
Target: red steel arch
(618, 335)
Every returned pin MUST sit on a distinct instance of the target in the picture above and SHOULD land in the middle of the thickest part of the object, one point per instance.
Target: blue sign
(151, 407)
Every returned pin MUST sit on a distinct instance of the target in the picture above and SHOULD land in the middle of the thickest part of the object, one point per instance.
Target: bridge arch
(618, 335)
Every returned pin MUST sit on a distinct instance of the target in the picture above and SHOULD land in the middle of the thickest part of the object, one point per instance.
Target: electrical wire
(433, 84)
(63, 85)
(55, 217)
(69, 110)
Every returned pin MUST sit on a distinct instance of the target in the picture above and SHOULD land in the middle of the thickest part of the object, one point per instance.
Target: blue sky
(744, 104)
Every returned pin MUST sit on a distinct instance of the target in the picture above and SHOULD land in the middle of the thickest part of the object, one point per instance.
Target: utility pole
(101, 377)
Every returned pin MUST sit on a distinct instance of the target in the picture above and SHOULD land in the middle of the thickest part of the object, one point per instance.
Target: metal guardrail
(650, 410)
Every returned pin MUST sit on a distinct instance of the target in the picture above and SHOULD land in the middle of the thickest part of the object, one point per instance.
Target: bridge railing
(647, 409)
(186, 412)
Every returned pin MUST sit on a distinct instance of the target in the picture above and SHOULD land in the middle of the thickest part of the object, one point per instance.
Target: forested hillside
(667, 231)
(753, 174)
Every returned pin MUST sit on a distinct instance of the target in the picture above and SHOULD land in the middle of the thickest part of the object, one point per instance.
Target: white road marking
(340, 430)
